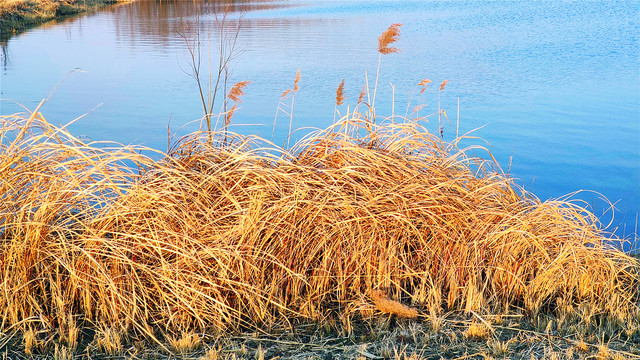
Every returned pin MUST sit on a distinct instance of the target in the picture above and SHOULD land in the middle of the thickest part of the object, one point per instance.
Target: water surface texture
(554, 86)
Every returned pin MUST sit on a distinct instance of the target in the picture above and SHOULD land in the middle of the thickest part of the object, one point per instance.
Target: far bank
(19, 15)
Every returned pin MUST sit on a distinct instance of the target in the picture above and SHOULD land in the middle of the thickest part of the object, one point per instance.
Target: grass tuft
(230, 233)
(477, 331)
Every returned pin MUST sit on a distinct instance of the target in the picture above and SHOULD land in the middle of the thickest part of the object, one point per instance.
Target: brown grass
(229, 233)
(476, 331)
(9, 6)
(245, 235)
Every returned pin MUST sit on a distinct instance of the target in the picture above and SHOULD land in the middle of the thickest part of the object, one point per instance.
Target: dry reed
(424, 83)
(223, 235)
(340, 94)
(237, 91)
(235, 94)
(387, 38)
(443, 84)
(361, 96)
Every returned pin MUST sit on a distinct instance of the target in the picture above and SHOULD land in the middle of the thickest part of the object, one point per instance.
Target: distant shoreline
(17, 16)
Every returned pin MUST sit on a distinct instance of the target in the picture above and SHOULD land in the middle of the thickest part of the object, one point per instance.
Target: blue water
(554, 86)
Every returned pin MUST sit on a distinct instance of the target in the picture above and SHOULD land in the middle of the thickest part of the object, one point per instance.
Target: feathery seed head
(237, 91)
(295, 83)
(424, 83)
(444, 83)
(362, 93)
(388, 37)
(340, 94)
(229, 114)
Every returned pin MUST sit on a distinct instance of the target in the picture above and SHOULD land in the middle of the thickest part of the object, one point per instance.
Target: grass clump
(226, 233)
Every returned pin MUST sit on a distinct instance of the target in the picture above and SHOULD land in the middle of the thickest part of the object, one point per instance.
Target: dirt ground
(385, 337)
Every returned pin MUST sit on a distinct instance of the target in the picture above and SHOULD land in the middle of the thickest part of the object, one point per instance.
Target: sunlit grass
(371, 220)
(228, 233)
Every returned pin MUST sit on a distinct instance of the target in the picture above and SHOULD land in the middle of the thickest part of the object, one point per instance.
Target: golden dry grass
(389, 306)
(228, 233)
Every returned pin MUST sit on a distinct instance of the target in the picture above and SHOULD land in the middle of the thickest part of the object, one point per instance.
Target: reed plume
(424, 83)
(228, 115)
(295, 83)
(237, 91)
(441, 112)
(295, 87)
(443, 84)
(362, 93)
(235, 94)
(340, 94)
(387, 38)
(293, 92)
(339, 99)
(285, 93)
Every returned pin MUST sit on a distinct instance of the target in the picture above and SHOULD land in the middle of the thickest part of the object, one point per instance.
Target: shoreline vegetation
(17, 16)
(371, 239)
(358, 235)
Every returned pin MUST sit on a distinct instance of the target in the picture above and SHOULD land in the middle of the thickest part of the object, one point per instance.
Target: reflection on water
(161, 21)
(554, 83)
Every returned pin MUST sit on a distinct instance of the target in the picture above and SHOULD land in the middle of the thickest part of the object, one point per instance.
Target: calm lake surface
(555, 85)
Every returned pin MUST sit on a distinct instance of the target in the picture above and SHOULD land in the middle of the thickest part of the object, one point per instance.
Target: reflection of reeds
(220, 236)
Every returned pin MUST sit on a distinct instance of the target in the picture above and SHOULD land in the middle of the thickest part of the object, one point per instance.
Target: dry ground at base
(447, 337)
